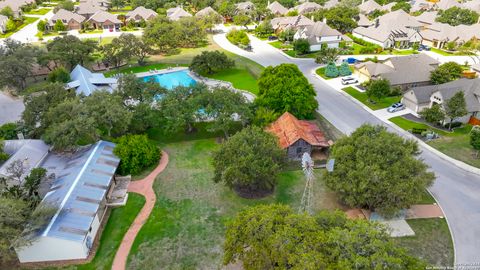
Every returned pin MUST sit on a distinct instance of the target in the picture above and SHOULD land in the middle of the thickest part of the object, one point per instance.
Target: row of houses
(399, 29)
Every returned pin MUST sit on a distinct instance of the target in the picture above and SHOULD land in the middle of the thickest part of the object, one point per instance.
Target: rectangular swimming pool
(172, 79)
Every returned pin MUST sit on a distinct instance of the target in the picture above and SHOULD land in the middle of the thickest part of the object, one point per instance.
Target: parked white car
(349, 80)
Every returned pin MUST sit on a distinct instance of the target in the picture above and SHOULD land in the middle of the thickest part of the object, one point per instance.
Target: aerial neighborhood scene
(231, 134)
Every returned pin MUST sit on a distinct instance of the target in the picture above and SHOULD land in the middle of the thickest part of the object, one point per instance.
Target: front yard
(377, 104)
(40, 11)
(455, 144)
(26, 21)
(186, 228)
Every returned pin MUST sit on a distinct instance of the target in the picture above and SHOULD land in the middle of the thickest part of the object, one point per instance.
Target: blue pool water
(172, 79)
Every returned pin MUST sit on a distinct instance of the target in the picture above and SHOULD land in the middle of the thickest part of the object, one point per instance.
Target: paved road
(10, 109)
(456, 190)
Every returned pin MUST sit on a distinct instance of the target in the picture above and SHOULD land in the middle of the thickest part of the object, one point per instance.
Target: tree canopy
(341, 17)
(249, 162)
(16, 63)
(456, 16)
(446, 72)
(274, 237)
(433, 115)
(378, 170)
(456, 107)
(378, 89)
(284, 88)
(136, 153)
(211, 62)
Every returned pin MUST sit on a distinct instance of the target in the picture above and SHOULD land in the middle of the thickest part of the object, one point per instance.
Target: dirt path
(143, 187)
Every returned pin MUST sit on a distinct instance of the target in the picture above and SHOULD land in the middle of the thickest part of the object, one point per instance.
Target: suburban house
(330, 4)
(101, 3)
(446, 4)
(369, 6)
(244, 7)
(393, 30)
(277, 9)
(419, 98)
(71, 20)
(402, 71)
(306, 7)
(363, 21)
(85, 82)
(293, 22)
(208, 11)
(3, 24)
(437, 35)
(16, 6)
(87, 9)
(298, 136)
(176, 13)
(427, 18)
(319, 33)
(141, 13)
(84, 187)
(105, 20)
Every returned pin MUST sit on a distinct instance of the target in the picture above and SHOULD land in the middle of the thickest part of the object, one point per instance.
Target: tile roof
(446, 4)
(307, 7)
(103, 16)
(244, 5)
(177, 13)
(206, 11)
(288, 129)
(369, 6)
(88, 8)
(291, 21)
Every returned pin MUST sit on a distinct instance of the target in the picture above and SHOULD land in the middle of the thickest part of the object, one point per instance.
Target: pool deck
(207, 81)
(160, 71)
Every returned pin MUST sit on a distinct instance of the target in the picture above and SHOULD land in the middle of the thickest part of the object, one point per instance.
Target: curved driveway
(456, 190)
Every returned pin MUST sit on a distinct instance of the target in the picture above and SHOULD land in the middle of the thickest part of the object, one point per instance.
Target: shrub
(331, 70)
(344, 69)
(59, 74)
(301, 46)
(238, 37)
(8, 131)
(136, 153)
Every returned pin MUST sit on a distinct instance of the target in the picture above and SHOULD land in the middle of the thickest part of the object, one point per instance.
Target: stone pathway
(143, 187)
(424, 211)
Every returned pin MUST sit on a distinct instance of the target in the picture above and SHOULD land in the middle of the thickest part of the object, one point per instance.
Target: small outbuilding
(299, 136)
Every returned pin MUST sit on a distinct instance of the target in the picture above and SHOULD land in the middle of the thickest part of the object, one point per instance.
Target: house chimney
(325, 20)
(268, 3)
(377, 22)
(313, 19)
(363, 1)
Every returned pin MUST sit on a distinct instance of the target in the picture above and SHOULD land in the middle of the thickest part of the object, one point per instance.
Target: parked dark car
(424, 48)
(272, 38)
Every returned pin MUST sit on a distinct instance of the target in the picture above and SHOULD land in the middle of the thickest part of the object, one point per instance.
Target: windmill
(307, 197)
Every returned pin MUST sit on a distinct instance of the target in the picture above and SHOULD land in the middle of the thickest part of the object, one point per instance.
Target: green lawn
(432, 241)
(280, 45)
(321, 72)
(240, 78)
(120, 220)
(26, 21)
(40, 11)
(442, 52)
(362, 97)
(186, 228)
(455, 144)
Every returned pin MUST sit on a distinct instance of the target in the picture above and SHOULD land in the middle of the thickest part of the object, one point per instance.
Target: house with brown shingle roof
(176, 13)
(105, 20)
(87, 9)
(298, 136)
(277, 9)
(291, 22)
(141, 13)
(306, 7)
(71, 20)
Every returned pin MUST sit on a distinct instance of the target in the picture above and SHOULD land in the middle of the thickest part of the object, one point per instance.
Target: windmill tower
(307, 197)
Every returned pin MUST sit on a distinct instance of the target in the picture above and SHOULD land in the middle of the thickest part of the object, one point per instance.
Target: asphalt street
(456, 190)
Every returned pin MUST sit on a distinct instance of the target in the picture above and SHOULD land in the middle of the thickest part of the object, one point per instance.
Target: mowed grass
(26, 21)
(376, 104)
(240, 78)
(455, 144)
(432, 241)
(118, 223)
(186, 228)
(40, 11)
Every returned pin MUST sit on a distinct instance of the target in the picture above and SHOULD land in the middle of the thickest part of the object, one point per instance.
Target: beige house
(141, 13)
(292, 22)
(277, 9)
(396, 29)
(318, 34)
(437, 35)
(244, 7)
(16, 6)
(306, 7)
(208, 11)
(402, 71)
(88, 9)
(71, 20)
(105, 20)
(176, 13)
(419, 98)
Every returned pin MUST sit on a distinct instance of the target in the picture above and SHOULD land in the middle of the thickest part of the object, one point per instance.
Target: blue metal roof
(85, 82)
(81, 183)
